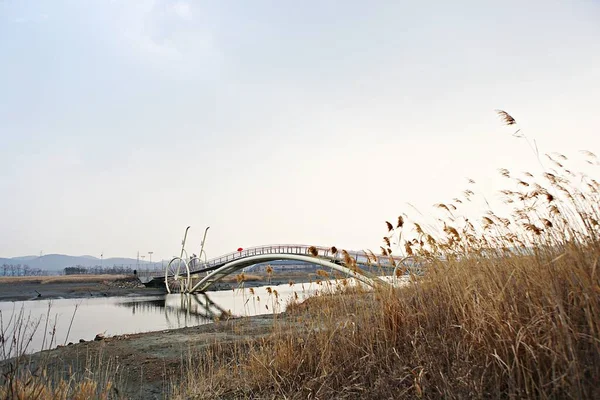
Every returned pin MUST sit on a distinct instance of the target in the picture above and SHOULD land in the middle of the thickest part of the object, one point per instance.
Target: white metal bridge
(192, 274)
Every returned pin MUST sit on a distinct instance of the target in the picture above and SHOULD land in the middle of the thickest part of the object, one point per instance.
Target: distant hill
(24, 258)
(57, 262)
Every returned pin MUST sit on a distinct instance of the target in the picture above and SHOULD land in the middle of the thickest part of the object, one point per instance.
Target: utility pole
(150, 253)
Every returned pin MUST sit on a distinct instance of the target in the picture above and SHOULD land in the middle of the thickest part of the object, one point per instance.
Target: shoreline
(72, 287)
(148, 361)
(89, 286)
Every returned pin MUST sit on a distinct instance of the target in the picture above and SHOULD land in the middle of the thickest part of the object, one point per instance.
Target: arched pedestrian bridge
(191, 274)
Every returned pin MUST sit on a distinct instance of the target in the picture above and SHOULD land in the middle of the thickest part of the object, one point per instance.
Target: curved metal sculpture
(175, 278)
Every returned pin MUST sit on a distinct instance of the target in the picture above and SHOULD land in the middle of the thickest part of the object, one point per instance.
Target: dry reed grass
(23, 378)
(243, 277)
(508, 307)
(33, 388)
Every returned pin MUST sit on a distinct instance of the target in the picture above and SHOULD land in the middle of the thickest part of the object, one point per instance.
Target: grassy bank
(27, 378)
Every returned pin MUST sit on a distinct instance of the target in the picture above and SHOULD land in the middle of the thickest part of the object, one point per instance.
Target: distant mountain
(57, 262)
(24, 258)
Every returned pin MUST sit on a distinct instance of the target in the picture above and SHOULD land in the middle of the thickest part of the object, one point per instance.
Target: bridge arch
(239, 264)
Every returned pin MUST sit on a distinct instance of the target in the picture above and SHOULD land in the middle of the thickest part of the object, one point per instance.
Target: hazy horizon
(121, 123)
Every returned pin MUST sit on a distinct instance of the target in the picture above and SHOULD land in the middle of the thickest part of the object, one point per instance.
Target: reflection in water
(181, 310)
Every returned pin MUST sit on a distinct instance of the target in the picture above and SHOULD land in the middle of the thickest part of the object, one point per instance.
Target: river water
(57, 322)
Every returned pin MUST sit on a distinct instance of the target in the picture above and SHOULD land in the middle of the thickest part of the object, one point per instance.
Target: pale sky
(123, 122)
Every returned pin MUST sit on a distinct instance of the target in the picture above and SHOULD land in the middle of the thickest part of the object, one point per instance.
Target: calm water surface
(121, 315)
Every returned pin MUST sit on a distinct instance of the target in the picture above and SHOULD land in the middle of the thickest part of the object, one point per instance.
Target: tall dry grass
(508, 307)
(23, 377)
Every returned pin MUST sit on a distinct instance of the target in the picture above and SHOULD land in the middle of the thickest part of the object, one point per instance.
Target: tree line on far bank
(26, 270)
(21, 270)
(99, 270)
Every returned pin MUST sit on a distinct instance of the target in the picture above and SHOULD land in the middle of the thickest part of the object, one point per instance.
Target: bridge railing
(326, 252)
(255, 251)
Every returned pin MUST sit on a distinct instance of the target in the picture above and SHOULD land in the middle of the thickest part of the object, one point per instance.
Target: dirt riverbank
(72, 286)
